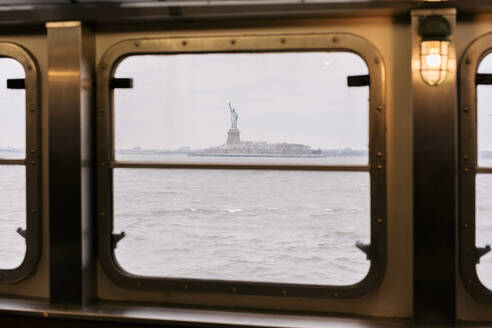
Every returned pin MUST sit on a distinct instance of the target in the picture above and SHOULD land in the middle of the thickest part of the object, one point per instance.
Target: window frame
(243, 44)
(32, 163)
(468, 165)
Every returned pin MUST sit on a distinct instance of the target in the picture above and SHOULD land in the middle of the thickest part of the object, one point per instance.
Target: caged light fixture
(434, 49)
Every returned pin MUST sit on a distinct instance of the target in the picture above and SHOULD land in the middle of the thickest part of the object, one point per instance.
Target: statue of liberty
(234, 117)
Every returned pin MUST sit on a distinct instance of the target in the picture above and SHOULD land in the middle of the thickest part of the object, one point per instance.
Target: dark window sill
(41, 311)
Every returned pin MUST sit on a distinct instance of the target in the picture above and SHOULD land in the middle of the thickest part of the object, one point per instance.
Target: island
(235, 147)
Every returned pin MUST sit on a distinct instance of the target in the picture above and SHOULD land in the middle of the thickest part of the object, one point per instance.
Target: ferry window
(484, 179)
(475, 118)
(233, 169)
(12, 168)
(20, 152)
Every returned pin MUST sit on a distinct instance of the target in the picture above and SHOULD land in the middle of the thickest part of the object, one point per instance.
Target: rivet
(233, 41)
(376, 274)
(137, 43)
(282, 41)
(380, 220)
(33, 210)
(101, 109)
(466, 170)
(376, 60)
(465, 225)
(284, 292)
(467, 61)
(466, 109)
(184, 43)
(379, 166)
(101, 164)
(234, 290)
(466, 157)
(335, 294)
(470, 281)
(29, 66)
(33, 162)
(335, 39)
(31, 108)
(380, 107)
(139, 284)
(379, 154)
(103, 66)
(33, 151)
(185, 287)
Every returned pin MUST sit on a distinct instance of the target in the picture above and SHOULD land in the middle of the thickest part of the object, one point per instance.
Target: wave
(233, 210)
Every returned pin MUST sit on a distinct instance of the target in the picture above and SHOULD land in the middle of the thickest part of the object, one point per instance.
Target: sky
(484, 108)
(12, 106)
(182, 100)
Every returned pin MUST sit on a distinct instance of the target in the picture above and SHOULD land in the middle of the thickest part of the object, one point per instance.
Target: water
(12, 215)
(283, 226)
(484, 222)
(297, 227)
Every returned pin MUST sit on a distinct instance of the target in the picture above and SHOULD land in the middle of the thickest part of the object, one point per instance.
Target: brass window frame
(468, 165)
(243, 44)
(32, 163)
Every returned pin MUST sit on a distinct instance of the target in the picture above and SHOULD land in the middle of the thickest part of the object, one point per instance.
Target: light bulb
(433, 60)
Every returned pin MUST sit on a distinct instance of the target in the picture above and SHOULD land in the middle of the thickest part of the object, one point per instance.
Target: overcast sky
(484, 107)
(12, 106)
(182, 100)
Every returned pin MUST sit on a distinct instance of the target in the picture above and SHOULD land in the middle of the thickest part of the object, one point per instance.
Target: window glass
(247, 225)
(291, 107)
(12, 177)
(483, 210)
(484, 116)
(275, 226)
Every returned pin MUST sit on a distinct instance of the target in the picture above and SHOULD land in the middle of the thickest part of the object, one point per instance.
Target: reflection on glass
(288, 107)
(12, 111)
(484, 116)
(12, 215)
(268, 226)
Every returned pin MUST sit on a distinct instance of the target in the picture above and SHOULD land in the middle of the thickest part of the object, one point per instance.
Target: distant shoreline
(259, 155)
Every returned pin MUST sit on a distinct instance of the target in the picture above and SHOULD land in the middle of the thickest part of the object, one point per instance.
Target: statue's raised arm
(234, 117)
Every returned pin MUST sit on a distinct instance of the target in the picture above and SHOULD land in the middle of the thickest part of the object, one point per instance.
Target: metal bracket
(117, 83)
(481, 251)
(116, 237)
(16, 83)
(22, 232)
(358, 81)
(483, 78)
(366, 248)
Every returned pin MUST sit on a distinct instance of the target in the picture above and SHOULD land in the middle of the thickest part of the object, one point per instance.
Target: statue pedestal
(233, 137)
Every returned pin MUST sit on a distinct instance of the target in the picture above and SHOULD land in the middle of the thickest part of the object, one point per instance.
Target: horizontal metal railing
(240, 166)
(4, 161)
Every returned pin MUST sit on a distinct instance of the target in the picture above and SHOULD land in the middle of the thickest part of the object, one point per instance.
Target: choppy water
(284, 226)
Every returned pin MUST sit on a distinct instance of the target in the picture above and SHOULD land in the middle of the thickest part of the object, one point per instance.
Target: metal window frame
(243, 44)
(469, 168)
(32, 163)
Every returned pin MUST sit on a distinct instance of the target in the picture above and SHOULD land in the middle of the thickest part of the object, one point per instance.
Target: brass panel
(70, 72)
